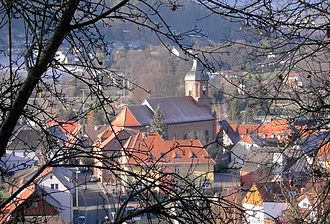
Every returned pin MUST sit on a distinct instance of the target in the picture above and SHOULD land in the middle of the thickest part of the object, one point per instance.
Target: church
(186, 117)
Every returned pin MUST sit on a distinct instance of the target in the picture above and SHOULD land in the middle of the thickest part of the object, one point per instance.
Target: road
(93, 202)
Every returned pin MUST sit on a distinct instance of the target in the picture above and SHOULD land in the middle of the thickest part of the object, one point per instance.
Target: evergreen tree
(158, 123)
(234, 109)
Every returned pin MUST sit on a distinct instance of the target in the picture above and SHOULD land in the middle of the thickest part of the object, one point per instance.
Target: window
(177, 155)
(206, 135)
(51, 176)
(176, 169)
(34, 205)
(54, 186)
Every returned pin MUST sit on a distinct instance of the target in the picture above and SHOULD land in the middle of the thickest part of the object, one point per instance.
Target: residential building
(27, 143)
(10, 163)
(57, 182)
(265, 202)
(150, 154)
(32, 205)
(109, 145)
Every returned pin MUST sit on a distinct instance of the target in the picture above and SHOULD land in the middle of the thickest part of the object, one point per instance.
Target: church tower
(196, 84)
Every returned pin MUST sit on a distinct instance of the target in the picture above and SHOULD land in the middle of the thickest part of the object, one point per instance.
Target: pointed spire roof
(197, 72)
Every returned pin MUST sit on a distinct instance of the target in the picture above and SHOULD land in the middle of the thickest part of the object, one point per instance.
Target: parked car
(94, 179)
(82, 220)
(129, 211)
(125, 197)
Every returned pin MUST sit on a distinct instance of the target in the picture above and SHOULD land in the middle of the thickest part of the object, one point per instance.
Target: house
(275, 132)
(268, 163)
(10, 163)
(186, 117)
(27, 143)
(109, 145)
(229, 136)
(57, 182)
(311, 204)
(64, 131)
(65, 136)
(150, 156)
(265, 202)
(32, 205)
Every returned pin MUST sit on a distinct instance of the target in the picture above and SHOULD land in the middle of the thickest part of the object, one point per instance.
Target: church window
(190, 90)
(206, 135)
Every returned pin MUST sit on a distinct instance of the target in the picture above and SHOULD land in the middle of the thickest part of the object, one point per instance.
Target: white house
(57, 181)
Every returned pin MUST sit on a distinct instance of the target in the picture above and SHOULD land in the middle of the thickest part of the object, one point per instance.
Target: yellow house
(150, 158)
(265, 202)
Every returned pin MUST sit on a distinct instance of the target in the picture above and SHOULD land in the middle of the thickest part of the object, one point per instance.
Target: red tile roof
(126, 119)
(110, 134)
(275, 127)
(16, 202)
(66, 126)
(324, 150)
(144, 149)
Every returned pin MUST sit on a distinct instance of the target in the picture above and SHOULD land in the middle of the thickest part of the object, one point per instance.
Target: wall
(182, 130)
(254, 214)
(196, 172)
(274, 209)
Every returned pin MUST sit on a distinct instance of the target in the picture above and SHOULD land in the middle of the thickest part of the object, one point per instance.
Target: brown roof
(175, 110)
(179, 109)
(143, 149)
(275, 126)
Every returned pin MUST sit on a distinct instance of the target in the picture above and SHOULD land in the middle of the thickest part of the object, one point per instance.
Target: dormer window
(162, 156)
(150, 157)
(177, 156)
